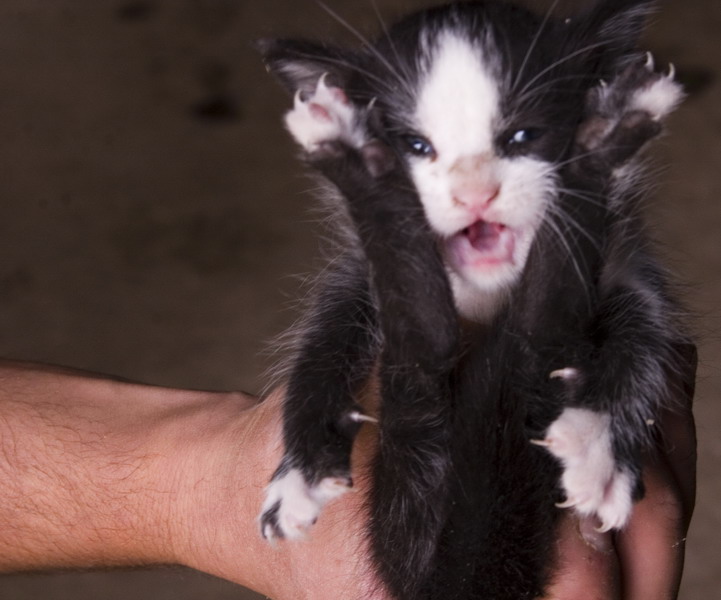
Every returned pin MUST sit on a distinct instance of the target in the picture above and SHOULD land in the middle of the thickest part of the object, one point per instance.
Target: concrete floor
(152, 212)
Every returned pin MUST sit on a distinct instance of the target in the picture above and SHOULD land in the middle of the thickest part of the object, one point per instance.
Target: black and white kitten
(493, 273)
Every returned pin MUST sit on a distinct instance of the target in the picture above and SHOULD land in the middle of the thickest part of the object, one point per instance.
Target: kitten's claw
(565, 373)
(292, 505)
(594, 485)
(650, 63)
(359, 417)
(543, 443)
(327, 91)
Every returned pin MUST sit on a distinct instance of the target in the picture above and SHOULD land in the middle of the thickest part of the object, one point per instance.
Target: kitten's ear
(299, 64)
(611, 30)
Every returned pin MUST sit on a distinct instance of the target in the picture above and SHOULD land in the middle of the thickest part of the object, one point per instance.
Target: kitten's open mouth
(482, 244)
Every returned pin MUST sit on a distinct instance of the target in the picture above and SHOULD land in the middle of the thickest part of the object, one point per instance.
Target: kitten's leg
(615, 399)
(416, 317)
(419, 330)
(320, 415)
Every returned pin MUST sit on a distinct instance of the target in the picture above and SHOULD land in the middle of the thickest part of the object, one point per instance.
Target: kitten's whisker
(406, 74)
(383, 83)
(363, 39)
(564, 244)
(532, 46)
(560, 62)
(573, 224)
(589, 198)
(542, 87)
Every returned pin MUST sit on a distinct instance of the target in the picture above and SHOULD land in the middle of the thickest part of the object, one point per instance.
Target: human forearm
(88, 468)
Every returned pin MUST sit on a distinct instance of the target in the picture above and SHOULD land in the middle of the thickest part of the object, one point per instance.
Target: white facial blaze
(459, 100)
(459, 110)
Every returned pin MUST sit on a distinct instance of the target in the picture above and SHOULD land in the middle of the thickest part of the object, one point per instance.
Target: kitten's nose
(476, 195)
(475, 182)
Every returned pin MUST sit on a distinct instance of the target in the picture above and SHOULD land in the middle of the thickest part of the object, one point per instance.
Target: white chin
(475, 302)
(481, 280)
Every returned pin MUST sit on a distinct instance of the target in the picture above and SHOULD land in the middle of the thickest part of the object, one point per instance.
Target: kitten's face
(483, 131)
(484, 200)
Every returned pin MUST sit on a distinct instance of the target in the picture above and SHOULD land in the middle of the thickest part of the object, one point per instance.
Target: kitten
(493, 267)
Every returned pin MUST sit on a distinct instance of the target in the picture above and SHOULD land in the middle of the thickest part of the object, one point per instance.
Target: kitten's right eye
(419, 146)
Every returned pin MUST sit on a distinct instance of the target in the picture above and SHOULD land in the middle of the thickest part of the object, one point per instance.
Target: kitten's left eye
(420, 146)
(524, 136)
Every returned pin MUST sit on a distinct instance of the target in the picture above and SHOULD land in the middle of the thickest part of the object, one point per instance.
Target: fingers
(679, 431)
(651, 548)
(679, 449)
(587, 565)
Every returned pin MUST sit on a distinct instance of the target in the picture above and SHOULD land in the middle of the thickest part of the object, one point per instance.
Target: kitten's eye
(524, 136)
(419, 146)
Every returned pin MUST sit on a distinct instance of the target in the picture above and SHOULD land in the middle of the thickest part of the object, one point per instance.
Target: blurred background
(152, 215)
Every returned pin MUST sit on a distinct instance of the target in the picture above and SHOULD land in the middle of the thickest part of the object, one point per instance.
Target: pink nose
(476, 196)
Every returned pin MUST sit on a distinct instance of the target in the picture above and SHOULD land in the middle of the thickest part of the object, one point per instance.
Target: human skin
(98, 472)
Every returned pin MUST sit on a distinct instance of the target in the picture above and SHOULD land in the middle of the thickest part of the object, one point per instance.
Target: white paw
(660, 96)
(581, 440)
(326, 116)
(291, 506)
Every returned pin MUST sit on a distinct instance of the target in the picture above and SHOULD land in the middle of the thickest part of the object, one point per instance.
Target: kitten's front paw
(641, 88)
(594, 485)
(292, 505)
(325, 118)
(626, 113)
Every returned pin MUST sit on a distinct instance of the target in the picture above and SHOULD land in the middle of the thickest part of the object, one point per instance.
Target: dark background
(152, 213)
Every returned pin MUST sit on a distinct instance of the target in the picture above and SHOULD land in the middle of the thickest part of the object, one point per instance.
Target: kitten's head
(482, 99)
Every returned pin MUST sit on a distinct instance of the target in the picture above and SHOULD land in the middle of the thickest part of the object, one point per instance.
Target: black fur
(462, 505)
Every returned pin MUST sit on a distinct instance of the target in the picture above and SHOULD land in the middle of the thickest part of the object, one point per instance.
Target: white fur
(658, 99)
(300, 503)
(581, 440)
(459, 100)
(458, 111)
(325, 116)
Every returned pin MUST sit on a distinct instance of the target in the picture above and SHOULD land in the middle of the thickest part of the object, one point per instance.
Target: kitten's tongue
(482, 245)
(484, 236)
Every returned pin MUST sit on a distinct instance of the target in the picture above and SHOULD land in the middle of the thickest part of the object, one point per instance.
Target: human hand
(223, 537)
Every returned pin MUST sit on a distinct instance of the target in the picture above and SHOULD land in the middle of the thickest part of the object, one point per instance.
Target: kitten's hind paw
(292, 505)
(594, 485)
(325, 118)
